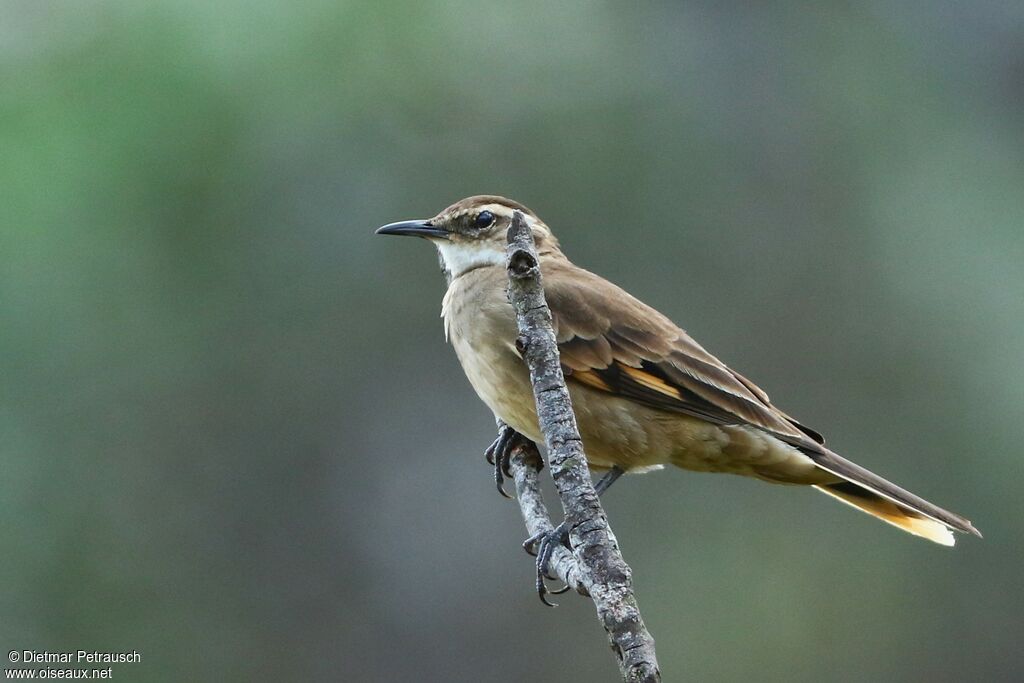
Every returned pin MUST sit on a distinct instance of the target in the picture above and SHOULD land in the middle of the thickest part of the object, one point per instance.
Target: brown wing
(613, 342)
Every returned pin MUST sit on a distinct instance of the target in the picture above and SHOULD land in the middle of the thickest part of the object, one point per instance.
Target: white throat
(460, 257)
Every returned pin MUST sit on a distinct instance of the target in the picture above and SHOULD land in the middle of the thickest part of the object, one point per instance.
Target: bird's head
(470, 233)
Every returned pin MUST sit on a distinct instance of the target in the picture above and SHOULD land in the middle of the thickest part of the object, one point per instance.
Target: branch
(525, 464)
(600, 570)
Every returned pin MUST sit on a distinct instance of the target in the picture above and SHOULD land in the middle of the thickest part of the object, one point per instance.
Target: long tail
(870, 493)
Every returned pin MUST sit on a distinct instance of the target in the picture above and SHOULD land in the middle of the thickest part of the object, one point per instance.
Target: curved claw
(542, 591)
(499, 483)
(499, 454)
(544, 545)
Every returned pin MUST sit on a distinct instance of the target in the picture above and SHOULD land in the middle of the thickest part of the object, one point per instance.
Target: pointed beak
(417, 228)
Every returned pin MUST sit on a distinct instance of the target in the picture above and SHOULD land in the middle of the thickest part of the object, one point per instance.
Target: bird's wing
(613, 342)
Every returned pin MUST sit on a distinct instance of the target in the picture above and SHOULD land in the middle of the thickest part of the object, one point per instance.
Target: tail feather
(887, 511)
(869, 493)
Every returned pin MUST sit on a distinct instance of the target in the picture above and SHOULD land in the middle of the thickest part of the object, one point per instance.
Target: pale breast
(481, 326)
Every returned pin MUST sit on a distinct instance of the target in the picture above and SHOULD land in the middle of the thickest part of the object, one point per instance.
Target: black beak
(417, 228)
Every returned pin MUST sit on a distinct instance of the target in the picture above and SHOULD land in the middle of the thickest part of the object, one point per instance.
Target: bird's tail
(870, 493)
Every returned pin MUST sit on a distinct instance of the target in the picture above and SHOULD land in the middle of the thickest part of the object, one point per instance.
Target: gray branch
(525, 464)
(598, 568)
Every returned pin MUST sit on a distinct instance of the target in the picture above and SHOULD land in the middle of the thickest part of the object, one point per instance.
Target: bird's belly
(617, 431)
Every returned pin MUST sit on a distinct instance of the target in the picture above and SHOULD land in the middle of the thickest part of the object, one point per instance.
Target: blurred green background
(234, 439)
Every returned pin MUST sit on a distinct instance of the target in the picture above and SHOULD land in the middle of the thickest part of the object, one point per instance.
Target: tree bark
(598, 569)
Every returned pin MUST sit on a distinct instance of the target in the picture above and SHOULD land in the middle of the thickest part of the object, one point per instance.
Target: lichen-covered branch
(525, 465)
(600, 569)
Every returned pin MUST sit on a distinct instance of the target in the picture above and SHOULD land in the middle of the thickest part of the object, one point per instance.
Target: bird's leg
(543, 544)
(499, 454)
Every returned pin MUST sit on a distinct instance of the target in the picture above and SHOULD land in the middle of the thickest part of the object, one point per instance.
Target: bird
(644, 392)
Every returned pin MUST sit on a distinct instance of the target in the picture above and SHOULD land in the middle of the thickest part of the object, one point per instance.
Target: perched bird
(644, 392)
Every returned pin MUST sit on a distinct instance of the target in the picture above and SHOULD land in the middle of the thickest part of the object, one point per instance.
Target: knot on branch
(522, 264)
(522, 260)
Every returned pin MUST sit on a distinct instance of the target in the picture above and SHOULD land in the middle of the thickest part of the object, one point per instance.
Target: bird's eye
(484, 219)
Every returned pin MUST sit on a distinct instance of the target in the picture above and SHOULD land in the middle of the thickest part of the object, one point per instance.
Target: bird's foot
(543, 545)
(499, 454)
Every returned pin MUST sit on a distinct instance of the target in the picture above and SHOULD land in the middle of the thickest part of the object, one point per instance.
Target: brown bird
(644, 392)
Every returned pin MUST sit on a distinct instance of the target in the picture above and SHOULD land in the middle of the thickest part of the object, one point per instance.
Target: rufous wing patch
(591, 379)
(651, 382)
